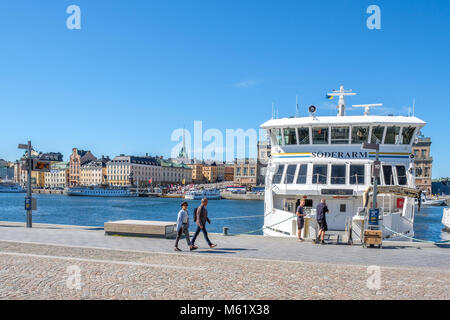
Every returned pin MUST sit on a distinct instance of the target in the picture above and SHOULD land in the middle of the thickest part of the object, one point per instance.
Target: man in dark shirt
(201, 217)
(300, 219)
(321, 211)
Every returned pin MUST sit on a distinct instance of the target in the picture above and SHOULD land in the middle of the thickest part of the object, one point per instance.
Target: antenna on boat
(414, 107)
(341, 94)
(296, 106)
(273, 110)
(367, 107)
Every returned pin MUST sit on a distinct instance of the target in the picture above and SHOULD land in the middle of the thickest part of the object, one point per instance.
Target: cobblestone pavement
(35, 271)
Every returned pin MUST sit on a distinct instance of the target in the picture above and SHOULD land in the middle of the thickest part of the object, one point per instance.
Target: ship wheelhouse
(322, 157)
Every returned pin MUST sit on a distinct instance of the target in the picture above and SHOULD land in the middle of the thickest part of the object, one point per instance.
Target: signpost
(373, 235)
(32, 165)
(28, 199)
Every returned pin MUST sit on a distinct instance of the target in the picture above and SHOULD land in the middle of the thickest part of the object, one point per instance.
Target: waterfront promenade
(34, 262)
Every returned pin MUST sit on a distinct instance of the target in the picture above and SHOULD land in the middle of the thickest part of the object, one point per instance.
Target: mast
(341, 94)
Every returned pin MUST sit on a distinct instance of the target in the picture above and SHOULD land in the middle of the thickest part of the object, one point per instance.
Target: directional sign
(41, 165)
(372, 146)
(22, 146)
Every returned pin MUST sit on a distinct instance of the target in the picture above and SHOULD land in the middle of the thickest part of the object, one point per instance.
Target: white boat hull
(86, 192)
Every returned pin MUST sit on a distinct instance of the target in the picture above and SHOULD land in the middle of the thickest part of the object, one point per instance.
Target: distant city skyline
(135, 73)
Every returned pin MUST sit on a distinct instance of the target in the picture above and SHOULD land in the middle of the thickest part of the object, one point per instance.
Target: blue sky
(137, 70)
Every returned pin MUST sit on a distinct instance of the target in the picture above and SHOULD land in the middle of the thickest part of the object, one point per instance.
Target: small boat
(210, 194)
(446, 219)
(11, 188)
(428, 202)
(99, 192)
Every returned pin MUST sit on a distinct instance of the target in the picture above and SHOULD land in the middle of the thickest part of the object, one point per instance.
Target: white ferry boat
(210, 194)
(99, 192)
(322, 157)
(11, 188)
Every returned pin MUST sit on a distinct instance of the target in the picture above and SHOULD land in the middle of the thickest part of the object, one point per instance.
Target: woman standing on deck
(183, 227)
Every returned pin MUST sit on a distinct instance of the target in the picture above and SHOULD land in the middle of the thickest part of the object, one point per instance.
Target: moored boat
(11, 188)
(316, 157)
(99, 192)
(210, 194)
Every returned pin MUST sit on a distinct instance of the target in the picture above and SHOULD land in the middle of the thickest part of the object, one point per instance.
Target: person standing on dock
(200, 218)
(300, 219)
(183, 226)
(321, 211)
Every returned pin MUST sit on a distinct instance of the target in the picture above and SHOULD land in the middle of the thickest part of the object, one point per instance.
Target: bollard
(225, 231)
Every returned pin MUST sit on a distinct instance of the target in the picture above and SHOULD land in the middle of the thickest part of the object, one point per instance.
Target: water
(91, 211)
(87, 211)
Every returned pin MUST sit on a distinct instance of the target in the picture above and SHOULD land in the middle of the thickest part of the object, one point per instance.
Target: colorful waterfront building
(58, 177)
(132, 170)
(423, 163)
(77, 159)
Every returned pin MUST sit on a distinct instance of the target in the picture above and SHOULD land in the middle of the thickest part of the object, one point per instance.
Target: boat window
(339, 135)
(360, 134)
(338, 174)
(320, 135)
(401, 175)
(276, 134)
(301, 178)
(377, 134)
(357, 174)
(407, 134)
(392, 135)
(303, 135)
(388, 176)
(277, 176)
(320, 173)
(290, 173)
(290, 136)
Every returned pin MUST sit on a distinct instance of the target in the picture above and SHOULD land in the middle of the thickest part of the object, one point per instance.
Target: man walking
(201, 216)
(321, 210)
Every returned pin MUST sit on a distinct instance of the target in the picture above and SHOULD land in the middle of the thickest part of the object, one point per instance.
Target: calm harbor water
(87, 211)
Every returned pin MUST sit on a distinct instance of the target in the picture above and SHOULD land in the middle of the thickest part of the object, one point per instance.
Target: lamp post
(375, 170)
(28, 199)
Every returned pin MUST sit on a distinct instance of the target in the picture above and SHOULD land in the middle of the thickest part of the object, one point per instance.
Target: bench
(141, 228)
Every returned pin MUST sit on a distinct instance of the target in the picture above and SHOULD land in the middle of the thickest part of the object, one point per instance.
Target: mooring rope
(412, 238)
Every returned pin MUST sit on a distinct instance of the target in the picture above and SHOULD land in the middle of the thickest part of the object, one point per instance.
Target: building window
(339, 135)
(320, 135)
(338, 174)
(290, 136)
(320, 173)
(424, 153)
(360, 135)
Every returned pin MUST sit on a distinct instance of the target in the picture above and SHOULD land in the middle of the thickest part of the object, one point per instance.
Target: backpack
(195, 214)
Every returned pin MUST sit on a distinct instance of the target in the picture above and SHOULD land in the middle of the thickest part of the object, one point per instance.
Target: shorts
(322, 225)
(300, 222)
